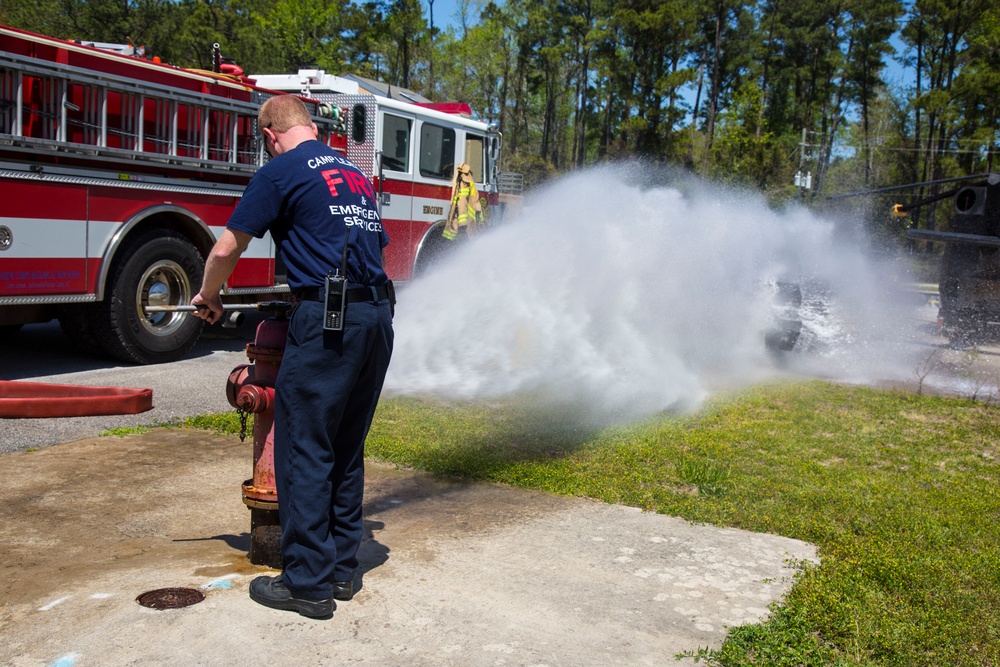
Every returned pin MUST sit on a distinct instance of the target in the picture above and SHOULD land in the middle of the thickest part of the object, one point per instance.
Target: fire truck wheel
(433, 249)
(162, 269)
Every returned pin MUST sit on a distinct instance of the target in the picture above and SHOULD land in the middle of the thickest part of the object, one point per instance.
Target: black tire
(159, 268)
(962, 328)
(435, 248)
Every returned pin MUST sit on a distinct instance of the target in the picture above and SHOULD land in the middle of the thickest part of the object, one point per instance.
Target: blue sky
(445, 12)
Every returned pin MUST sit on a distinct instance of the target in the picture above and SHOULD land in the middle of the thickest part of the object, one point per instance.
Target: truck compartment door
(43, 239)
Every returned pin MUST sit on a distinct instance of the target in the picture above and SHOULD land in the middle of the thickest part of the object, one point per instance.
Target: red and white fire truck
(117, 174)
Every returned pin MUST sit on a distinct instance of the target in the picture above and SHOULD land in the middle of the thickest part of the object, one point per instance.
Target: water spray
(619, 297)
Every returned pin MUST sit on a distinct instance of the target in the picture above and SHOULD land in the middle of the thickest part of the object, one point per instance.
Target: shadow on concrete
(372, 554)
(239, 542)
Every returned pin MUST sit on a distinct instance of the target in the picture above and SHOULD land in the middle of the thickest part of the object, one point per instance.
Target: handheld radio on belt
(335, 293)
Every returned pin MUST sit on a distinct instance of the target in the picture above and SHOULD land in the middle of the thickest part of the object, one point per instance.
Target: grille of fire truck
(50, 106)
(509, 182)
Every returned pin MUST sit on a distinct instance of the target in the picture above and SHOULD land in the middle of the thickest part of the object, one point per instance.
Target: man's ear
(315, 131)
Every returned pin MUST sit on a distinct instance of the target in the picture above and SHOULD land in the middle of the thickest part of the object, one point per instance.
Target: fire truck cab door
(396, 142)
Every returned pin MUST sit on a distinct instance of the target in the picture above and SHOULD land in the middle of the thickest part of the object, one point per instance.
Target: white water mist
(616, 299)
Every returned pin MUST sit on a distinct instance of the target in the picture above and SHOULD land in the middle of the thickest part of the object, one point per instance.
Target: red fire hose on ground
(38, 399)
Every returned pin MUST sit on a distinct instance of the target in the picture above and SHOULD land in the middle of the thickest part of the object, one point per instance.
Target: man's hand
(221, 262)
(208, 308)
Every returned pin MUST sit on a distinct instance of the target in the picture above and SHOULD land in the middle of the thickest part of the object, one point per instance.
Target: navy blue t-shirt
(310, 198)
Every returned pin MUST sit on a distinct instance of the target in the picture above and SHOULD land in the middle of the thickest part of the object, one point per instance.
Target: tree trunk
(713, 98)
(580, 135)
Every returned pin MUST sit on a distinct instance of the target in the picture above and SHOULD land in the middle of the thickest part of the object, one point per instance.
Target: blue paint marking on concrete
(219, 583)
(68, 660)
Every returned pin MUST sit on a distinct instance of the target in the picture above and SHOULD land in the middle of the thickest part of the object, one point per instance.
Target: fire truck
(118, 173)
(411, 148)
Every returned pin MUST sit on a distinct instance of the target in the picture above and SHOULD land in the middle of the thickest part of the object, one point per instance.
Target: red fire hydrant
(250, 390)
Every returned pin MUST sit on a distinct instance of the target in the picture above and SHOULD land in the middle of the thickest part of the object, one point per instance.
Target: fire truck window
(396, 143)
(437, 151)
(474, 155)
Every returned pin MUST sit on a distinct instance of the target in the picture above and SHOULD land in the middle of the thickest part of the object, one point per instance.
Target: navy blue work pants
(325, 396)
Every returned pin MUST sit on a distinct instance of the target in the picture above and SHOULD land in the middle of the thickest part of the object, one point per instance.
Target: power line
(953, 151)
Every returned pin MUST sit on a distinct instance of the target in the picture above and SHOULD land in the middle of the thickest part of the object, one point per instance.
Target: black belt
(354, 294)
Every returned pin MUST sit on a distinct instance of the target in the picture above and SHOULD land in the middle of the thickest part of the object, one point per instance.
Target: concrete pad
(452, 573)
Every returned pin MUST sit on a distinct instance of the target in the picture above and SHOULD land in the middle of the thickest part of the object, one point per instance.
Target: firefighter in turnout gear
(466, 208)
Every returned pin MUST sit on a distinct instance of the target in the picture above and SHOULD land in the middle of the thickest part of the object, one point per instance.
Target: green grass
(122, 431)
(226, 422)
(898, 491)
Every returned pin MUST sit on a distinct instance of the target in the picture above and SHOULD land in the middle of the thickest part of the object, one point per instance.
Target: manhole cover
(170, 598)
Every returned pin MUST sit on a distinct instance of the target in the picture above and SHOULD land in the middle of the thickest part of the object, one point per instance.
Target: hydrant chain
(243, 423)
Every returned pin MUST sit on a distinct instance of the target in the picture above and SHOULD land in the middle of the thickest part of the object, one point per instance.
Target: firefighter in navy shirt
(313, 201)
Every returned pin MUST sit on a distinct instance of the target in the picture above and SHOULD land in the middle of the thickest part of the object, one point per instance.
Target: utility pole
(430, 60)
(802, 149)
(803, 181)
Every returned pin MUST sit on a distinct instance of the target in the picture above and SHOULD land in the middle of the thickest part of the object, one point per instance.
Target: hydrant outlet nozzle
(252, 398)
(237, 379)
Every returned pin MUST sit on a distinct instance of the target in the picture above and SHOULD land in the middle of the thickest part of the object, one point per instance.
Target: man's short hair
(283, 112)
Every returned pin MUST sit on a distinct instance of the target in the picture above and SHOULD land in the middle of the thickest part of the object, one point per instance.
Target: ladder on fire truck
(54, 107)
